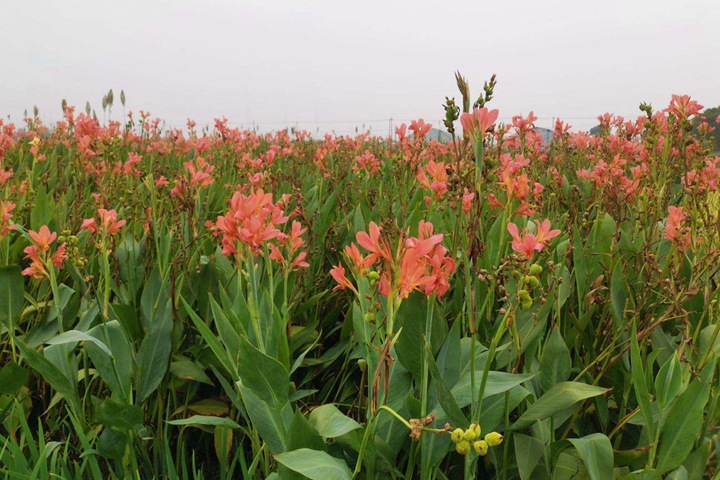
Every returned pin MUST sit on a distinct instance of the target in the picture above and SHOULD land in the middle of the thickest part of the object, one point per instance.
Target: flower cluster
(109, 224)
(251, 220)
(419, 263)
(528, 243)
(39, 253)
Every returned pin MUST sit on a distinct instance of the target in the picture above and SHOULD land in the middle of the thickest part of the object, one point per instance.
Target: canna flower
(682, 107)
(527, 243)
(43, 238)
(38, 253)
(675, 231)
(373, 243)
(109, 224)
(479, 121)
(5, 216)
(252, 220)
(338, 273)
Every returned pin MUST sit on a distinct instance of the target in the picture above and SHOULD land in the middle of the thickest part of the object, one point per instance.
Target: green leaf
(444, 394)
(559, 397)
(556, 362)
(154, 354)
(187, 370)
(74, 337)
(618, 294)
(684, 422)
(640, 385)
(205, 420)
(331, 422)
(528, 451)
(115, 370)
(12, 293)
(497, 382)
(411, 318)
(265, 376)
(41, 214)
(315, 465)
(271, 423)
(597, 455)
(12, 378)
(118, 415)
(668, 382)
(53, 375)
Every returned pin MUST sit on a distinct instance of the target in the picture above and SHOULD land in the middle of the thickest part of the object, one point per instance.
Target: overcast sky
(338, 64)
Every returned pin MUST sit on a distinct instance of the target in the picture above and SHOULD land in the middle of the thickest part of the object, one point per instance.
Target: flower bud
(457, 435)
(481, 447)
(463, 447)
(493, 439)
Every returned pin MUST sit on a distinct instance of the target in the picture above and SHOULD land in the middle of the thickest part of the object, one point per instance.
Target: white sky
(338, 64)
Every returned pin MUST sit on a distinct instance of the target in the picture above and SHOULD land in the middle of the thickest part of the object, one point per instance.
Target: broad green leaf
(116, 370)
(52, 375)
(271, 423)
(443, 393)
(640, 385)
(556, 362)
(331, 422)
(12, 291)
(315, 465)
(497, 382)
(684, 422)
(618, 293)
(559, 397)
(597, 454)
(120, 416)
(187, 370)
(12, 378)
(205, 420)
(74, 337)
(265, 376)
(528, 451)
(668, 382)
(154, 354)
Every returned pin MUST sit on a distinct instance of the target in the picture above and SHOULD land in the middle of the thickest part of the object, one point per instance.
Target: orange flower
(43, 238)
(479, 121)
(373, 243)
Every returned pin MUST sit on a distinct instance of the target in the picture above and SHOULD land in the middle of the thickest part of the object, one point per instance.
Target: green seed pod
(457, 435)
(463, 447)
(481, 447)
(469, 435)
(526, 304)
(535, 269)
(369, 317)
(494, 439)
(533, 281)
(374, 275)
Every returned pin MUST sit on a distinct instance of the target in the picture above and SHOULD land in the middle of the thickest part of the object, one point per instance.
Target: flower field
(221, 303)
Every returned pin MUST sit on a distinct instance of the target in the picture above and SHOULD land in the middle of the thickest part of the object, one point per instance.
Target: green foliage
(224, 332)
